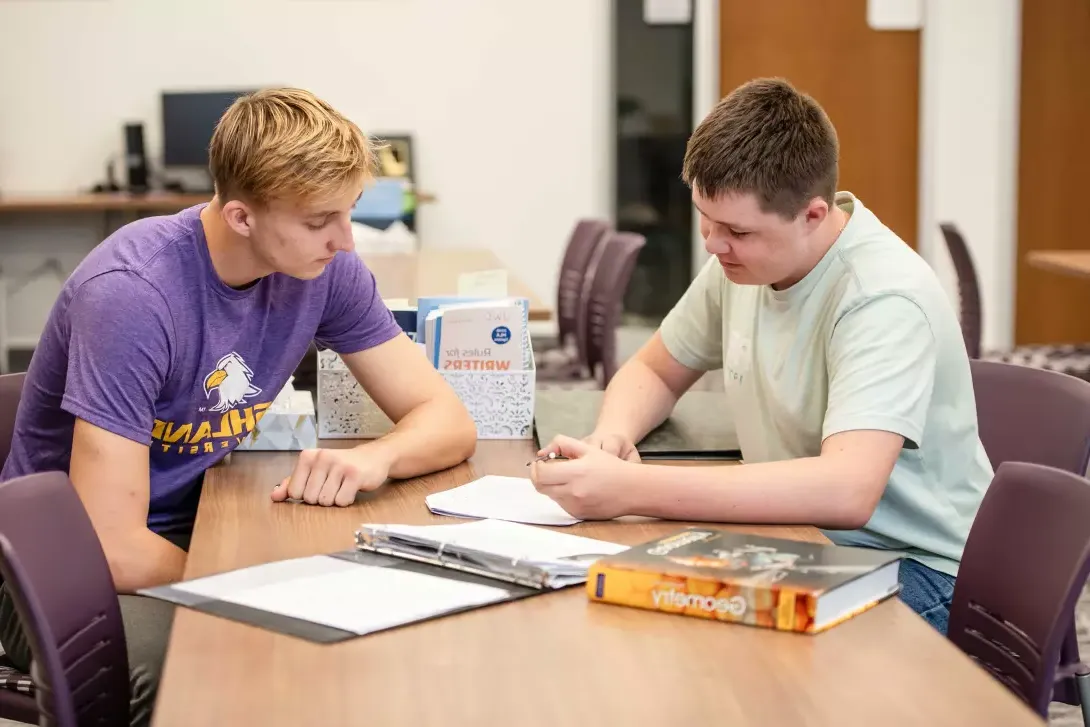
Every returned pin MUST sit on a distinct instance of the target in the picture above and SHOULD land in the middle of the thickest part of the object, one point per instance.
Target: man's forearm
(820, 491)
(142, 559)
(635, 402)
(436, 435)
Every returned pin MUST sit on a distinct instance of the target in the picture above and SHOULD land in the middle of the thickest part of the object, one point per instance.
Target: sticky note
(483, 284)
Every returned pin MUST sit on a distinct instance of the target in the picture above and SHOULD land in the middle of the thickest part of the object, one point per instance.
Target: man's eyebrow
(718, 222)
(327, 213)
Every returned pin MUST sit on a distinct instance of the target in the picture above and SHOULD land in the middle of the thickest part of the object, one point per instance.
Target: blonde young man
(176, 331)
(844, 366)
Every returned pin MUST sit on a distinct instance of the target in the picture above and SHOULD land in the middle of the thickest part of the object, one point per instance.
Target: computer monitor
(189, 118)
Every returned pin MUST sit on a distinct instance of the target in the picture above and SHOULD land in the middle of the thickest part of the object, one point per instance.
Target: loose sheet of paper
(500, 498)
(512, 540)
(483, 284)
(342, 594)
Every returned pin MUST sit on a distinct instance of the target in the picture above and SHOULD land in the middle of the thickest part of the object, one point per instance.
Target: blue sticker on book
(501, 334)
(600, 585)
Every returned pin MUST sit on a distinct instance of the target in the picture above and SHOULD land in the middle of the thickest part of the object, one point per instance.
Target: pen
(544, 457)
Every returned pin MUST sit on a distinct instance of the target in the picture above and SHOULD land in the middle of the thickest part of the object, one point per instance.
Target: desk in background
(436, 271)
(158, 202)
(1065, 262)
(552, 660)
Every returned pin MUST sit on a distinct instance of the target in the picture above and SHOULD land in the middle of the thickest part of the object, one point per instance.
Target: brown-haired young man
(176, 331)
(845, 371)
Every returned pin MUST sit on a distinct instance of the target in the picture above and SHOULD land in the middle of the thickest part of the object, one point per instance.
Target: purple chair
(968, 288)
(16, 688)
(579, 259)
(1042, 417)
(59, 581)
(11, 388)
(1066, 358)
(559, 359)
(605, 303)
(1024, 566)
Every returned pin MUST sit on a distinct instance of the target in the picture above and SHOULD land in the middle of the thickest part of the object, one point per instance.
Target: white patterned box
(500, 402)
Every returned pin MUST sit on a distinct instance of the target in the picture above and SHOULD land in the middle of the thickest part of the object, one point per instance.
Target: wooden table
(1066, 262)
(436, 271)
(555, 659)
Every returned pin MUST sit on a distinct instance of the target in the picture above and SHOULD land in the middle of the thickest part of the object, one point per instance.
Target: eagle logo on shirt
(231, 380)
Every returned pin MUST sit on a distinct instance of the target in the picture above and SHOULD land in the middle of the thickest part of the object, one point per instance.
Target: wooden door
(1054, 169)
(866, 80)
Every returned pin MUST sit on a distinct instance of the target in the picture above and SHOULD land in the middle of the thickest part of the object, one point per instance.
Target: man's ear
(815, 213)
(238, 216)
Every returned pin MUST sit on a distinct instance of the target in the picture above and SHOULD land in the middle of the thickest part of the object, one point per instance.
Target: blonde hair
(286, 143)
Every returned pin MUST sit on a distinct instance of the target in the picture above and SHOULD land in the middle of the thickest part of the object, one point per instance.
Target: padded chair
(16, 688)
(59, 581)
(560, 358)
(11, 389)
(1041, 417)
(1065, 358)
(1024, 566)
(605, 304)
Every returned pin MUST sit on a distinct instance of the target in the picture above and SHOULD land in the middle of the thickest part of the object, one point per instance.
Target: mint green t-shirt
(867, 340)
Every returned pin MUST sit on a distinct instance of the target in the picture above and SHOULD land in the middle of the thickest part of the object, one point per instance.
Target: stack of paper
(502, 498)
(565, 557)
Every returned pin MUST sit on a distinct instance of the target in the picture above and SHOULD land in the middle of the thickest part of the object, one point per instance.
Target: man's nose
(343, 240)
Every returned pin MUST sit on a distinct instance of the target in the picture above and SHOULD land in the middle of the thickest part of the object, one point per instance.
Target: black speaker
(136, 160)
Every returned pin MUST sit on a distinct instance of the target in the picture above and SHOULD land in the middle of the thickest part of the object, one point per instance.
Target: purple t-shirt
(147, 342)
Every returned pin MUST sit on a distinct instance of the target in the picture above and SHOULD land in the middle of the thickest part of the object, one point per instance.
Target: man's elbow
(859, 504)
(462, 432)
(123, 559)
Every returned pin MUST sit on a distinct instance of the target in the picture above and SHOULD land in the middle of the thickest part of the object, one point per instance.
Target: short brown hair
(286, 143)
(768, 139)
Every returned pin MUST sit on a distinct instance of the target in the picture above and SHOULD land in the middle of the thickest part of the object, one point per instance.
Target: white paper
(342, 594)
(501, 498)
(895, 14)
(512, 540)
(483, 284)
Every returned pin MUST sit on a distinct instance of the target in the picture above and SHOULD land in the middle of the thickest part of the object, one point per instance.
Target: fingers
(297, 481)
(280, 492)
(569, 447)
(553, 474)
(333, 483)
(319, 471)
(329, 477)
(346, 493)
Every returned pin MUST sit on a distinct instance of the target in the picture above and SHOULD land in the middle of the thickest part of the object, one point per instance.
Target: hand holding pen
(546, 457)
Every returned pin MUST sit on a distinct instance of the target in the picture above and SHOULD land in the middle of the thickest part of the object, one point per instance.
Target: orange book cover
(775, 583)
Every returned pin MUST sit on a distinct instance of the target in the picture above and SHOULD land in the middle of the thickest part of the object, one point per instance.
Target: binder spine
(454, 557)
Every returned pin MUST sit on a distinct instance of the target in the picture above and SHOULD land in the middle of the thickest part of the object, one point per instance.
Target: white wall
(508, 101)
(970, 65)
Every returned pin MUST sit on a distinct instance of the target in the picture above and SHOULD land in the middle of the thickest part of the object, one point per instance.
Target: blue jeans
(927, 592)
